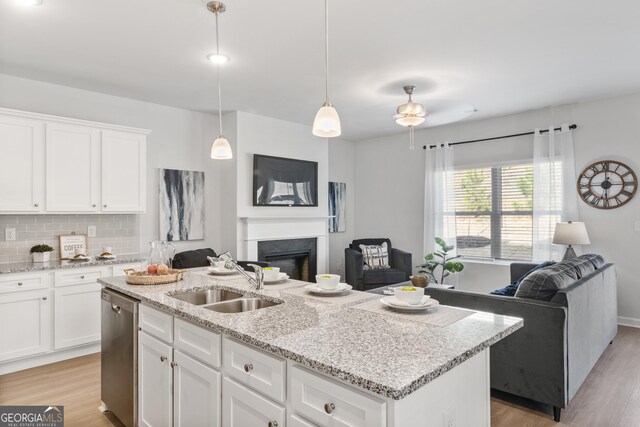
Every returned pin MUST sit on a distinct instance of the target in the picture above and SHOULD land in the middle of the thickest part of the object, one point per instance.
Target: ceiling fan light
(327, 122)
(410, 121)
(411, 108)
(221, 150)
(218, 58)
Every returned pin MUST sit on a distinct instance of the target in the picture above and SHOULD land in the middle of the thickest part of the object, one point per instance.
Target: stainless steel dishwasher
(119, 376)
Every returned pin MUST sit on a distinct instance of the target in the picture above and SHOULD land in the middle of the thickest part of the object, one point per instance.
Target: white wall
(180, 139)
(389, 184)
(341, 162)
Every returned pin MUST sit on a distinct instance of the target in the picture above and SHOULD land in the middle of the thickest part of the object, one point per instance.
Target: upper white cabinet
(73, 166)
(123, 172)
(22, 174)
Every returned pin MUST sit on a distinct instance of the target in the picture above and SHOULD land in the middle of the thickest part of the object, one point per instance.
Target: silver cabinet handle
(115, 308)
(174, 364)
(93, 205)
(82, 277)
(36, 205)
(248, 367)
(44, 298)
(329, 407)
(272, 424)
(163, 358)
(104, 206)
(19, 283)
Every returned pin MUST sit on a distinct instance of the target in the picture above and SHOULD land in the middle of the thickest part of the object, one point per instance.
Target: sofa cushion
(375, 257)
(510, 290)
(544, 283)
(597, 260)
(383, 277)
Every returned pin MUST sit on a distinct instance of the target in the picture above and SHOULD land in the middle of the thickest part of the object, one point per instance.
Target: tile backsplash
(121, 232)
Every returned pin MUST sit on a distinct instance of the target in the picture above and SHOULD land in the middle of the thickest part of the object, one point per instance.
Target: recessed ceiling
(497, 56)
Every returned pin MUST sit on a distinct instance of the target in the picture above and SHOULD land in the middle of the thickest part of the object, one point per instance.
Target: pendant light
(220, 149)
(410, 114)
(327, 122)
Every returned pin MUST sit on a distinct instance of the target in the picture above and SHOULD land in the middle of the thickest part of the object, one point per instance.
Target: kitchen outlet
(9, 234)
(91, 231)
(449, 418)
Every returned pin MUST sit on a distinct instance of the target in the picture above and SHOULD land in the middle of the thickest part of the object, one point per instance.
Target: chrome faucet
(258, 282)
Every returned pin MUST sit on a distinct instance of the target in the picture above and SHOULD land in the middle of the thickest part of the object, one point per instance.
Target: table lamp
(570, 233)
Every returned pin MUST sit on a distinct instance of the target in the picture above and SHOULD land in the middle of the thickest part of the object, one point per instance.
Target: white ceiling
(499, 56)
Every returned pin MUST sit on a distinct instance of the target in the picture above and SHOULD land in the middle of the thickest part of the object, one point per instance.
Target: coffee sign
(72, 245)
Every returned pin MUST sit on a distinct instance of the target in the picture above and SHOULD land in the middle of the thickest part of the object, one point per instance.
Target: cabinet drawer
(74, 276)
(14, 283)
(198, 342)
(156, 323)
(296, 421)
(242, 407)
(327, 403)
(258, 370)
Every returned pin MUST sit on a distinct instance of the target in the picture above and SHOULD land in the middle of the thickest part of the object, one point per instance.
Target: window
(494, 212)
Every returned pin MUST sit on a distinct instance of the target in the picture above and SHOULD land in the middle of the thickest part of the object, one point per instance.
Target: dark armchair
(363, 280)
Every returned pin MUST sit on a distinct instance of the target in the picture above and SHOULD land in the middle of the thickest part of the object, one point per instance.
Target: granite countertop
(374, 351)
(56, 264)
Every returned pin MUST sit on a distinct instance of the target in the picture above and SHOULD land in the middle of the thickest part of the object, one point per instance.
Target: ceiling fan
(410, 114)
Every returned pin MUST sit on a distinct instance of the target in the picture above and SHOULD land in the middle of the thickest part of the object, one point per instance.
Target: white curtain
(554, 189)
(439, 202)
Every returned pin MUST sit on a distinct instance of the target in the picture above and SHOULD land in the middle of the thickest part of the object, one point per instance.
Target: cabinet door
(123, 172)
(155, 394)
(25, 318)
(22, 173)
(196, 393)
(73, 168)
(243, 407)
(77, 315)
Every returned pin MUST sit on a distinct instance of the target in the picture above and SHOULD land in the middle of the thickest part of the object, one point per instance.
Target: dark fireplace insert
(296, 257)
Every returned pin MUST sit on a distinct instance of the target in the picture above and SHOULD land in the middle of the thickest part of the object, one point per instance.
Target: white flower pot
(41, 256)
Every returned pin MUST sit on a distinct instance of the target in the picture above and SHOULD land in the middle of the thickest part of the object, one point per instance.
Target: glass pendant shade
(221, 150)
(410, 121)
(327, 122)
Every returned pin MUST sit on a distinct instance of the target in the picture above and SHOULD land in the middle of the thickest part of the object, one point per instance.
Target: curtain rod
(573, 126)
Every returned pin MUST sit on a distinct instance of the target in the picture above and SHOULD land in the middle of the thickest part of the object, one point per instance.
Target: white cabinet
(77, 315)
(22, 172)
(243, 407)
(24, 324)
(156, 323)
(155, 391)
(72, 168)
(123, 172)
(196, 393)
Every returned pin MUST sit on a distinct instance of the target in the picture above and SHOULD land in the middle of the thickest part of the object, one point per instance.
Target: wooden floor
(610, 396)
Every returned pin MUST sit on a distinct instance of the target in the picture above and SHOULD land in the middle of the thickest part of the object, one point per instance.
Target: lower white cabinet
(243, 407)
(296, 421)
(196, 393)
(77, 315)
(155, 382)
(25, 324)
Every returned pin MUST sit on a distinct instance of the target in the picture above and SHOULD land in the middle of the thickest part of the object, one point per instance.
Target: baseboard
(629, 321)
(45, 359)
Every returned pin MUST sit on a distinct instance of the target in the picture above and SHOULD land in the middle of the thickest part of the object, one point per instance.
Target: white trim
(68, 120)
(628, 321)
(247, 219)
(44, 359)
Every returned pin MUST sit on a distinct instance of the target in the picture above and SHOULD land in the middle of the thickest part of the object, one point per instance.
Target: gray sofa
(549, 358)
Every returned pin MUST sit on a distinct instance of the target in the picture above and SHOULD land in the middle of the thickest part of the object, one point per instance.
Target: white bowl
(270, 273)
(327, 281)
(410, 297)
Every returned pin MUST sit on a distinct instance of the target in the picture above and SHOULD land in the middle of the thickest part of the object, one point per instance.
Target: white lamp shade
(327, 122)
(571, 233)
(221, 150)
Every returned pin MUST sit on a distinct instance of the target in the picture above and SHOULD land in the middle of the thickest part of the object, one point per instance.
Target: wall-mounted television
(278, 181)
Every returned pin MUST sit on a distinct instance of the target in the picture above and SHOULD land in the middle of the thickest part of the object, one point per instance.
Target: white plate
(81, 258)
(342, 288)
(426, 304)
(282, 277)
(106, 257)
(221, 271)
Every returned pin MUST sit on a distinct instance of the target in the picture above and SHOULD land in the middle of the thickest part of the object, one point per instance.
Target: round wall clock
(607, 184)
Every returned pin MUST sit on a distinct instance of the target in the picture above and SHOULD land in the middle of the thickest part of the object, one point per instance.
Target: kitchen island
(312, 361)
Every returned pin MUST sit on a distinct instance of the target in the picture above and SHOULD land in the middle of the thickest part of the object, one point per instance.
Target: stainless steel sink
(241, 305)
(206, 297)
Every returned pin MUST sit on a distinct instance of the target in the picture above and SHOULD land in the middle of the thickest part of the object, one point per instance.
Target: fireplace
(296, 257)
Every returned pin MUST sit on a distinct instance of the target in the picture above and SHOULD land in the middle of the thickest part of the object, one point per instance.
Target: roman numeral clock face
(607, 184)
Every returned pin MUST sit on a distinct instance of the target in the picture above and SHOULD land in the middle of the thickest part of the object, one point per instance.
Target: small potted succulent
(41, 253)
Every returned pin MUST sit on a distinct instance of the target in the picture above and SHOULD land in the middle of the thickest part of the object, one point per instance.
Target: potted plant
(41, 253)
(440, 258)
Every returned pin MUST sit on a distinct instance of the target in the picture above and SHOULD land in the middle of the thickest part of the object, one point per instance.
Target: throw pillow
(543, 284)
(583, 266)
(595, 259)
(510, 290)
(375, 257)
